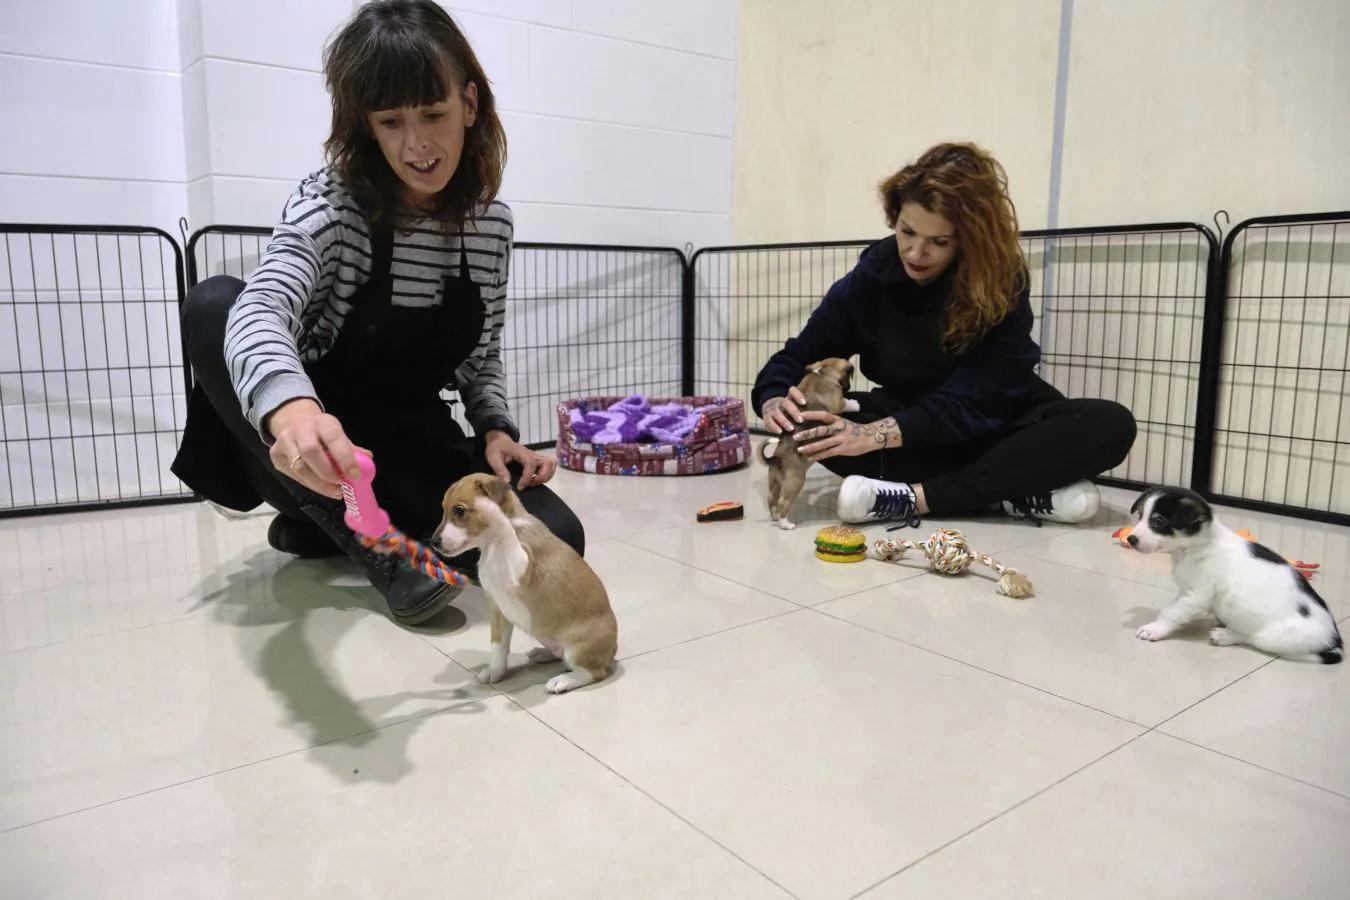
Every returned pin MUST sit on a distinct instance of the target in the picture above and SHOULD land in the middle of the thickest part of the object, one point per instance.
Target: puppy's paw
(560, 683)
(569, 682)
(542, 655)
(852, 406)
(1153, 631)
(1222, 637)
(490, 674)
(785, 524)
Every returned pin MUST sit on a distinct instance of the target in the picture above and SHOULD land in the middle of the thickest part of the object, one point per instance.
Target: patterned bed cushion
(719, 441)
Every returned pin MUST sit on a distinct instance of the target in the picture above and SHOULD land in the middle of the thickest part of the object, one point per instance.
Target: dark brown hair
(965, 185)
(397, 53)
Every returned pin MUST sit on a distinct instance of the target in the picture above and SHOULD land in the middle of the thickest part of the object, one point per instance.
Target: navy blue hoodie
(894, 325)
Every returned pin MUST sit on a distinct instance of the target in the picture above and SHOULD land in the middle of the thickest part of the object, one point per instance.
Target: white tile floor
(186, 713)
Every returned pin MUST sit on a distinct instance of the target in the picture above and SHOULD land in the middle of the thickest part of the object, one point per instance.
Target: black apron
(382, 380)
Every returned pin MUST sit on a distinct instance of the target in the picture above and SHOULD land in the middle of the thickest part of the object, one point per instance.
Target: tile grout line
(970, 665)
(761, 590)
(635, 786)
(1025, 800)
(700, 637)
(572, 29)
(1219, 690)
(1149, 730)
(250, 763)
(1247, 762)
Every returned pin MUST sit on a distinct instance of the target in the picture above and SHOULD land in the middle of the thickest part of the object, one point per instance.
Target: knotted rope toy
(373, 528)
(948, 552)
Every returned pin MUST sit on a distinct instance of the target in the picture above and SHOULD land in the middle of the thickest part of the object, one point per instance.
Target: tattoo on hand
(883, 432)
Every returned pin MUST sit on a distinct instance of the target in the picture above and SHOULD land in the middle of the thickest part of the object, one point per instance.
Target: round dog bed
(652, 436)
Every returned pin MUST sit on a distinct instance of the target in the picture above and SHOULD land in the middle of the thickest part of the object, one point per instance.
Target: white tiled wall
(618, 116)
(89, 93)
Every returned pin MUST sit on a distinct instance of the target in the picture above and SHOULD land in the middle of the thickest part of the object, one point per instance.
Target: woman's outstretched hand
(782, 413)
(501, 450)
(310, 446)
(831, 435)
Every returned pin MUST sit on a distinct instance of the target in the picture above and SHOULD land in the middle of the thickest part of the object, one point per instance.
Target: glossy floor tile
(1075, 638)
(480, 801)
(757, 737)
(185, 712)
(1289, 718)
(1159, 819)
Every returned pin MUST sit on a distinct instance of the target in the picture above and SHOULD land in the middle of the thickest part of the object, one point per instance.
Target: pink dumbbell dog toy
(365, 517)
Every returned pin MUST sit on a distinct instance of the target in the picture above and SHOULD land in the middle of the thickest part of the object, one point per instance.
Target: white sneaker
(873, 500)
(1067, 506)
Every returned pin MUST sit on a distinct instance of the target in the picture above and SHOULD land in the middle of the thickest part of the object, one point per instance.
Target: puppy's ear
(496, 490)
(1191, 513)
(1137, 508)
(818, 364)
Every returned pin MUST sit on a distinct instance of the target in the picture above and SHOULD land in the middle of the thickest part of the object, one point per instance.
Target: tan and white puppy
(533, 580)
(824, 387)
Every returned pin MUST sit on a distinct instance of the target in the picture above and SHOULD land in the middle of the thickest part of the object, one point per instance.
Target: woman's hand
(501, 450)
(835, 436)
(310, 446)
(782, 413)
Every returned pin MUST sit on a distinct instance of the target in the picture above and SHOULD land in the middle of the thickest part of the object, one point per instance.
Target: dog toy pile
(633, 420)
(372, 526)
(949, 553)
(1306, 569)
(840, 544)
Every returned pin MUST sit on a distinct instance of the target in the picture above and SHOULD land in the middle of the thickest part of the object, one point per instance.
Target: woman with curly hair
(940, 318)
(383, 285)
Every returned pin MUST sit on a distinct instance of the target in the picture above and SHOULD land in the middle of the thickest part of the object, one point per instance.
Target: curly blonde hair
(965, 185)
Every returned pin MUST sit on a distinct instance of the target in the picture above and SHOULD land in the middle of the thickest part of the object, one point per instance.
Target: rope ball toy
(948, 553)
(372, 526)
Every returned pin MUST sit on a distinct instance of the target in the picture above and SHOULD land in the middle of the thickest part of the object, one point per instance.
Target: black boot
(300, 537)
(412, 597)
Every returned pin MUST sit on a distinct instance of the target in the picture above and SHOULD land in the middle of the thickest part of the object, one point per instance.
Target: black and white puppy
(1256, 597)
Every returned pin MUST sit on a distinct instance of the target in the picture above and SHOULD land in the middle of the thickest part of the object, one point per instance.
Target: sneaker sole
(438, 602)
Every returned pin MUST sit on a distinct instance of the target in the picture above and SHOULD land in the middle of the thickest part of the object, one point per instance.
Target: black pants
(1051, 445)
(205, 312)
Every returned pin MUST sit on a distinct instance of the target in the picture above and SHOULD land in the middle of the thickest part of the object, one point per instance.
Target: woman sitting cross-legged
(940, 318)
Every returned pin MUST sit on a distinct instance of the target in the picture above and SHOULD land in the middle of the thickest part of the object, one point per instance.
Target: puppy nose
(1134, 541)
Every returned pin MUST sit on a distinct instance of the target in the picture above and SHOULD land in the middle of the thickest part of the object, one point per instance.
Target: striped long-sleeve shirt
(319, 255)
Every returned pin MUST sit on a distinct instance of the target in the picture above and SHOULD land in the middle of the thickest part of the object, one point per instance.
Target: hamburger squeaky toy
(841, 544)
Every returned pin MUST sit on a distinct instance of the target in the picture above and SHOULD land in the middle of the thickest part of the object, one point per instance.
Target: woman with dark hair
(383, 284)
(940, 318)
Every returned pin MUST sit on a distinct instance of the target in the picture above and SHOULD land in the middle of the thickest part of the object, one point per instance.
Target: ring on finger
(295, 459)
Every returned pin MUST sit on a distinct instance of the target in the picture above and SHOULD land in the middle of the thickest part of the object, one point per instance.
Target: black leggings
(205, 312)
(1049, 446)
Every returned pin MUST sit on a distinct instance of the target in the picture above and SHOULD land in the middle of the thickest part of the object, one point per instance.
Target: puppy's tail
(1330, 657)
(1326, 657)
(763, 453)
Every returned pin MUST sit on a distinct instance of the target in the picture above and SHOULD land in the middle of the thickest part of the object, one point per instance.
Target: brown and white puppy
(824, 387)
(533, 580)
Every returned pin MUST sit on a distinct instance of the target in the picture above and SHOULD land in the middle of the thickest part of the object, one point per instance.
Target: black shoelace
(1032, 508)
(894, 504)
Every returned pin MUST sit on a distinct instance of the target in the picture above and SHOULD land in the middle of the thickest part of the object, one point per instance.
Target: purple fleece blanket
(633, 420)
